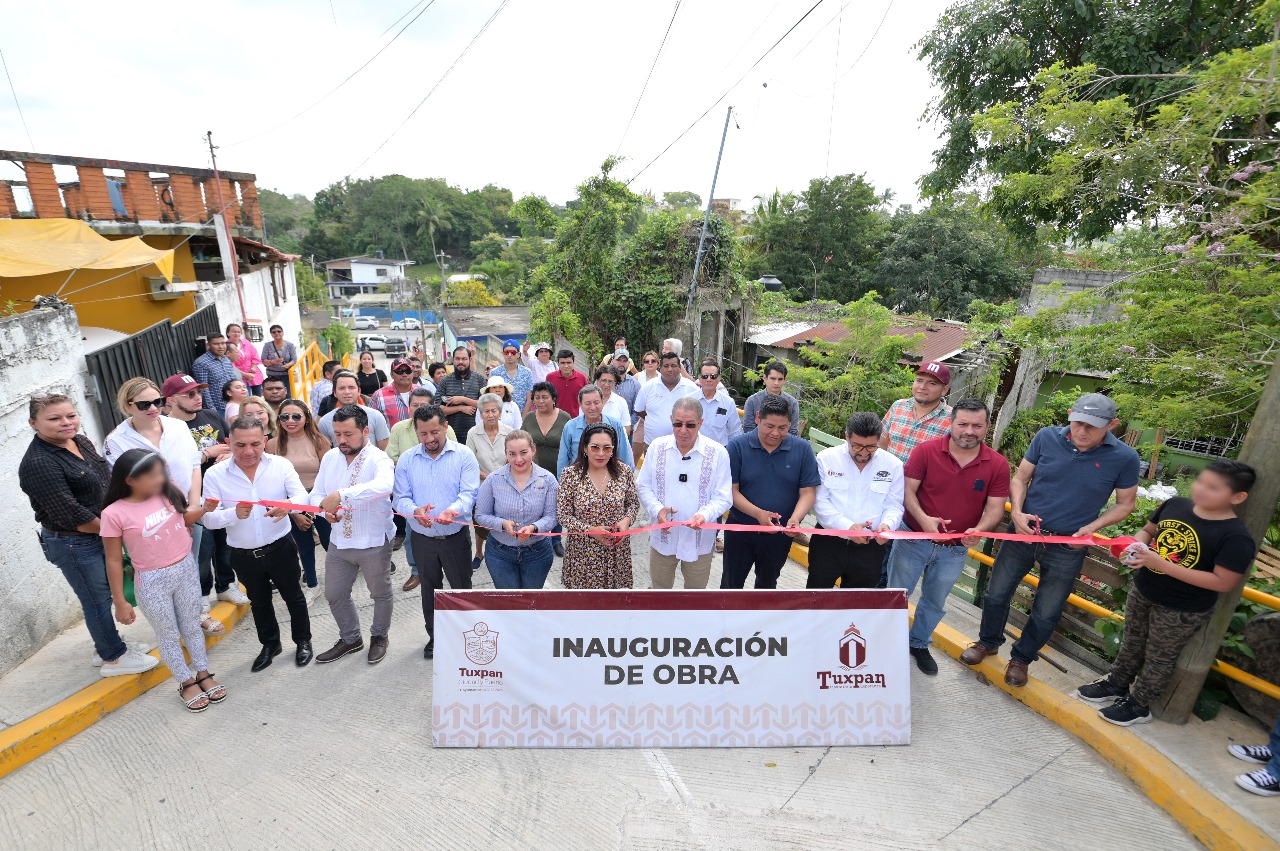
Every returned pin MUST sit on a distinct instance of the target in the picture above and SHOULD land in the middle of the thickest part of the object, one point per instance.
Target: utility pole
(222, 214)
(1259, 451)
(696, 328)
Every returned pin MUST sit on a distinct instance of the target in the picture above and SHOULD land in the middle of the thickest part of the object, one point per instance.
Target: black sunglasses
(706, 377)
(404, 370)
(153, 403)
(292, 418)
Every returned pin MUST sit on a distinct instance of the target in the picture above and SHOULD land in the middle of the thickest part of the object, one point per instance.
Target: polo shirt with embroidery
(951, 491)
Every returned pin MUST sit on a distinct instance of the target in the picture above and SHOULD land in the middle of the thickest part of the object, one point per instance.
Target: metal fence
(156, 353)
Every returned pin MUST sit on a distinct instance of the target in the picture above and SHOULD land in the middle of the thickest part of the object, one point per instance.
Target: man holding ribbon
(685, 479)
(353, 489)
(262, 550)
(955, 483)
(437, 482)
(1063, 484)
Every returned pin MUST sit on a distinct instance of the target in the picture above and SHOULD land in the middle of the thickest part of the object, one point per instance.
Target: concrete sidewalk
(340, 755)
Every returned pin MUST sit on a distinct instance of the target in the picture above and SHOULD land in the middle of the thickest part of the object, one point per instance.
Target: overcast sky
(535, 105)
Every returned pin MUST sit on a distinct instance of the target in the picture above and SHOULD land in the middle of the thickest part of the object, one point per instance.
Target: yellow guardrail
(309, 369)
(1227, 670)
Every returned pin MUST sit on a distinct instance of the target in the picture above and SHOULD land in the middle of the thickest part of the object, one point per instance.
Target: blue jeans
(81, 561)
(1059, 567)
(215, 562)
(519, 567)
(936, 568)
(307, 547)
(1273, 767)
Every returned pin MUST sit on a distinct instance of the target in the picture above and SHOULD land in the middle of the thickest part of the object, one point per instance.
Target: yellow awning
(41, 246)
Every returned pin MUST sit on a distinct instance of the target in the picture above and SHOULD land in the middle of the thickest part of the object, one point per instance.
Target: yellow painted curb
(42, 732)
(1203, 814)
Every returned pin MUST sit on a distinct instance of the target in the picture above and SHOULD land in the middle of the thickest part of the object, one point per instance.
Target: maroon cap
(399, 362)
(933, 369)
(177, 384)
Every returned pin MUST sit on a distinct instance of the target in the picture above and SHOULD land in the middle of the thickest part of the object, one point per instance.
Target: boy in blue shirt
(1190, 551)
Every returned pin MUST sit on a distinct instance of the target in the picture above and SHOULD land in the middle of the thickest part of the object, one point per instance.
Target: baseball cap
(933, 369)
(622, 353)
(178, 384)
(399, 362)
(510, 344)
(1093, 409)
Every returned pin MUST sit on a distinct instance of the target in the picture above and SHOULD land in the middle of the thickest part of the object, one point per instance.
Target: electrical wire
(648, 77)
(831, 118)
(16, 103)
(437, 85)
(727, 91)
(744, 44)
(870, 41)
(349, 77)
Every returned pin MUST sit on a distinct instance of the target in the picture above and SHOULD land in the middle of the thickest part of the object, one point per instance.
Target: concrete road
(340, 756)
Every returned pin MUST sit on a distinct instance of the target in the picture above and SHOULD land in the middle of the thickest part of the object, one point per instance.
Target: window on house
(381, 273)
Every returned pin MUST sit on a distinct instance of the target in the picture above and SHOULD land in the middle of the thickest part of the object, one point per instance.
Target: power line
(350, 76)
(16, 103)
(432, 91)
(648, 77)
(720, 99)
(870, 41)
(835, 68)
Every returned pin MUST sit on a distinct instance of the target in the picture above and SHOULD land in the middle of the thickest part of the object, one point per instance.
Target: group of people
(195, 502)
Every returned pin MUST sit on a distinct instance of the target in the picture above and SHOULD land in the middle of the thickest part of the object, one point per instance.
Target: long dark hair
(279, 444)
(580, 464)
(136, 462)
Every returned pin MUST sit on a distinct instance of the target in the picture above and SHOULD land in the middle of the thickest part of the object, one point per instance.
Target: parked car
(365, 323)
(396, 347)
(406, 324)
(376, 342)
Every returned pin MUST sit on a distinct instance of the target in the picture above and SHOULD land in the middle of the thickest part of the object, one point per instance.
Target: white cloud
(535, 106)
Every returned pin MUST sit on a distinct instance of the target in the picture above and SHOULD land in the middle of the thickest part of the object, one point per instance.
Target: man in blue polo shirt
(1067, 477)
(775, 481)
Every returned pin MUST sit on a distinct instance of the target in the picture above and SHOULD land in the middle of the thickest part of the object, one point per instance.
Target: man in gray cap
(1061, 488)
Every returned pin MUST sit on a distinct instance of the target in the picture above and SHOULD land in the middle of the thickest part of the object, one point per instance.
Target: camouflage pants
(1154, 635)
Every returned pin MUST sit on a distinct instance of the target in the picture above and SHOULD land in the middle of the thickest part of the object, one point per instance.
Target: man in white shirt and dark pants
(261, 548)
(353, 489)
(653, 403)
(862, 488)
(685, 479)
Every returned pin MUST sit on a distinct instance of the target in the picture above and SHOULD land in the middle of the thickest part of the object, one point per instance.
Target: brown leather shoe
(411, 583)
(377, 649)
(1016, 673)
(337, 651)
(975, 653)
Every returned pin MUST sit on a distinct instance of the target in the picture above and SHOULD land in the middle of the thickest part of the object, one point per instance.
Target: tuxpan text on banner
(622, 669)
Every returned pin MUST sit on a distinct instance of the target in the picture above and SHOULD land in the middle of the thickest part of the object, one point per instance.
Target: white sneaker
(132, 662)
(137, 646)
(234, 596)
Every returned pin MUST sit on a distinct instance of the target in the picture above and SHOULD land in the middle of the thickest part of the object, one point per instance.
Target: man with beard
(437, 482)
(262, 549)
(353, 489)
(954, 482)
(459, 393)
(346, 389)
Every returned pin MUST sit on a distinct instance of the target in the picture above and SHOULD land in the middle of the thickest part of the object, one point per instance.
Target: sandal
(217, 694)
(212, 626)
(191, 704)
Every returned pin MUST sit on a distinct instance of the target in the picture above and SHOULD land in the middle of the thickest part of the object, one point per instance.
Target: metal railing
(310, 369)
(1226, 669)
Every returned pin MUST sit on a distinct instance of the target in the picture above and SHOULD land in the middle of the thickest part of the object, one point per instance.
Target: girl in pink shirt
(144, 513)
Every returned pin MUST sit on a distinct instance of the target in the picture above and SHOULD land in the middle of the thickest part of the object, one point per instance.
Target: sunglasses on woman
(150, 403)
(291, 418)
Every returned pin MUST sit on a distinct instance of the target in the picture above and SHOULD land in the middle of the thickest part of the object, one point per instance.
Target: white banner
(607, 669)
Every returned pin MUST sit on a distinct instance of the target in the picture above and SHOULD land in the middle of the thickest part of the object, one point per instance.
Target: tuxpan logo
(852, 653)
(481, 644)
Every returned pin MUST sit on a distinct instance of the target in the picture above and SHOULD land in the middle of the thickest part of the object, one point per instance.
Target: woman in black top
(66, 479)
(371, 379)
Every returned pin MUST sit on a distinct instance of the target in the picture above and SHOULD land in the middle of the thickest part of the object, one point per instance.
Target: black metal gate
(156, 353)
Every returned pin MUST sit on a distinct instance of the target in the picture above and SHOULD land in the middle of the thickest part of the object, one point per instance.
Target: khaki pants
(662, 570)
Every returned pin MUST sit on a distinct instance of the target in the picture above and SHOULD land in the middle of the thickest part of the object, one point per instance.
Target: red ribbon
(1081, 540)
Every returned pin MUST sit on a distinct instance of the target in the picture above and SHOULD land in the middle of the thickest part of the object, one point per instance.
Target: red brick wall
(93, 188)
(45, 197)
(140, 196)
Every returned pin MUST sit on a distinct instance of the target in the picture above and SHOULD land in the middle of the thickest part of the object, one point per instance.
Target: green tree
(985, 53)
(551, 316)
(682, 199)
(311, 286)
(340, 339)
(535, 216)
(490, 247)
(469, 293)
(940, 260)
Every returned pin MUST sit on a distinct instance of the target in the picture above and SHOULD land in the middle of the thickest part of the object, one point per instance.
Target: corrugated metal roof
(942, 339)
(769, 335)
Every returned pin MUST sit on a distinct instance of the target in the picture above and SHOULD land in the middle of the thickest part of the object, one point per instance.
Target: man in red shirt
(954, 482)
(567, 381)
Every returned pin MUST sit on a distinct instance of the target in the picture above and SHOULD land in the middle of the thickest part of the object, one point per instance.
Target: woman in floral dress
(597, 495)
